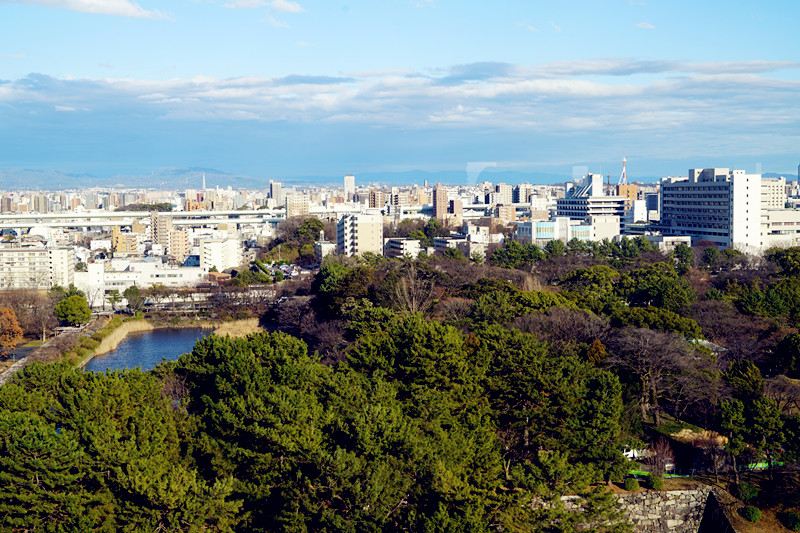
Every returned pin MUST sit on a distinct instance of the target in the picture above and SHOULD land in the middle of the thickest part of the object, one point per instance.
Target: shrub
(746, 492)
(792, 521)
(89, 344)
(631, 484)
(751, 513)
(656, 482)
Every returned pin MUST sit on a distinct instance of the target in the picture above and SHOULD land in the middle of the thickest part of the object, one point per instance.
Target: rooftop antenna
(623, 178)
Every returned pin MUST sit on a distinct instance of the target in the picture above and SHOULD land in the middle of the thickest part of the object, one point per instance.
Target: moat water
(146, 349)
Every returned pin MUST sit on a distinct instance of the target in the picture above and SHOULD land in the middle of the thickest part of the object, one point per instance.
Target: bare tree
(711, 444)
(413, 292)
(453, 309)
(655, 358)
(661, 456)
(785, 392)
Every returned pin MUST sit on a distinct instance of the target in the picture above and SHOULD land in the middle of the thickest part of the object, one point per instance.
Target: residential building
(376, 199)
(440, 203)
(397, 247)
(178, 245)
(773, 193)
(160, 228)
(220, 253)
(36, 267)
(297, 205)
(356, 234)
(323, 249)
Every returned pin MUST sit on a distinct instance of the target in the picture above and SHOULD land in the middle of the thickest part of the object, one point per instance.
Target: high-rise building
(440, 203)
(455, 213)
(297, 205)
(160, 227)
(356, 234)
(522, 193)
(715, 204)
(376, 199)
(275, 192)
(586, 197)
(349, 187)
(178, 245)
(505, 194)
(773, 193)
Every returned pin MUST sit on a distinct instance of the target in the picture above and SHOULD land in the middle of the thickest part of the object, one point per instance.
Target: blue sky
(277, 88)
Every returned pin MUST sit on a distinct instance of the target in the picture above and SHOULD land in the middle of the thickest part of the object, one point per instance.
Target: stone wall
(675, 511)
(679, 511)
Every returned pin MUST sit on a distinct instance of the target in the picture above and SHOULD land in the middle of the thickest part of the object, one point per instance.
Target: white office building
(586, 197)
(715, 204)
(349, 187)
(220, 253)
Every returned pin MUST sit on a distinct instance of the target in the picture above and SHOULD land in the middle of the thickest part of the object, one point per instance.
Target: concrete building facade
(715, 204)
(356, 234)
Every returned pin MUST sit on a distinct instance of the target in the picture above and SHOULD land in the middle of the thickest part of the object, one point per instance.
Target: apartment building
(297, 205)
(220, 253)
(356, 234)
(36, 268)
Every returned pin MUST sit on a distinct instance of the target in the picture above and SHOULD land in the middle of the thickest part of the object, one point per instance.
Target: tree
(134, 297)
(58, 293)
(684, 258)
(787, 355)
(113, 298)
(787, 259)
(413, 291)
(10, 332)
(309, 231)
(73, 311)
(655, 358)
(733, 425)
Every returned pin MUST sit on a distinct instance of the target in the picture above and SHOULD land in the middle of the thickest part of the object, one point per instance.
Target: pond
(147, 348)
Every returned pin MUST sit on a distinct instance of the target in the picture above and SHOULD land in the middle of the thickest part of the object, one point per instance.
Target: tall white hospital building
(716, 204)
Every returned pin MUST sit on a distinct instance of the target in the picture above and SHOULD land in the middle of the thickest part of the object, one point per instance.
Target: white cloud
(245, 4)
(675, 100)
(120, 8)
(528, 26)
(285, 6)
(555, 26)
(645, 26)
(13, 56)
(277, 23)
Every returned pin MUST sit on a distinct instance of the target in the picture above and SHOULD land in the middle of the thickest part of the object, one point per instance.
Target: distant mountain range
(12, 179)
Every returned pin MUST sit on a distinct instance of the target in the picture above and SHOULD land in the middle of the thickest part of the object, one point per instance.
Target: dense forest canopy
(424, 395)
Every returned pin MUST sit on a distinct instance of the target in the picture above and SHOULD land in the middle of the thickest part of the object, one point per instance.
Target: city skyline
(286, 89)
